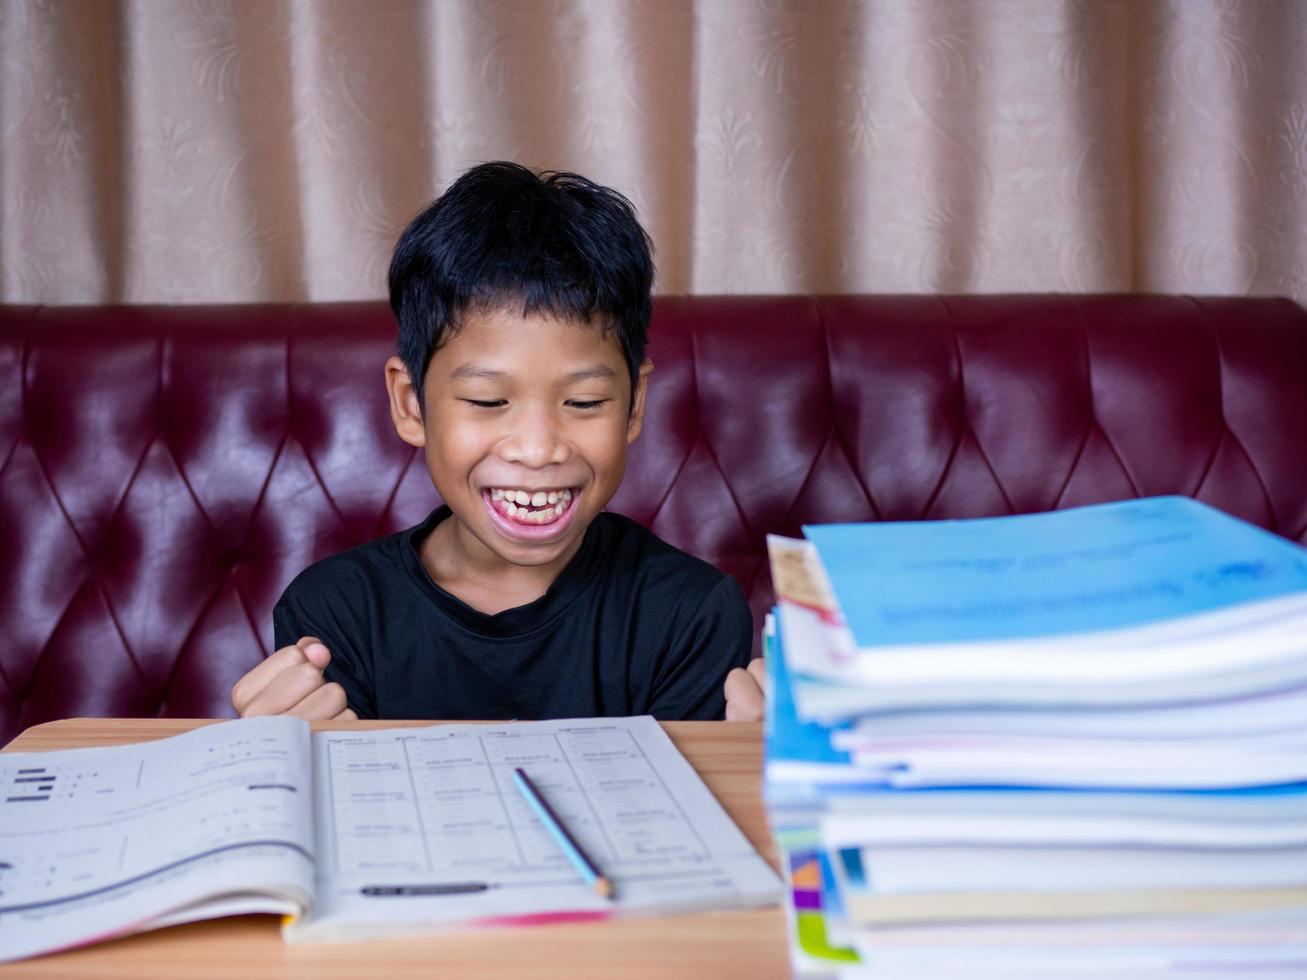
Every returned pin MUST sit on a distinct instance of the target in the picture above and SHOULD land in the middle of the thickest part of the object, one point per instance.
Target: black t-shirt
(631, 626)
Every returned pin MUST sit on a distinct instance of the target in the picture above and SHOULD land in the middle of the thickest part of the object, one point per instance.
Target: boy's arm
(717, 638)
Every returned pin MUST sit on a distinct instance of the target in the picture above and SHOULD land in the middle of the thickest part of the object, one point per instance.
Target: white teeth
(526, 516)
(516, 504)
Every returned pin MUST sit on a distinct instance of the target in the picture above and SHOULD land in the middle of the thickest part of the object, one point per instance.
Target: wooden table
(750, 944)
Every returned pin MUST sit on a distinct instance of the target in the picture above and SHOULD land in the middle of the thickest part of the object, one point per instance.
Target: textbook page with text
(101, 842)
(422, 829)
(352, 834)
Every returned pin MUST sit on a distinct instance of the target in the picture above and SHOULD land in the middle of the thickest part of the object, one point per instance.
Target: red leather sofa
(165, 471)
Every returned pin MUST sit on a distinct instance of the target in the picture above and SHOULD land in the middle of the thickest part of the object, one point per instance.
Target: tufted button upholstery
(165, 471)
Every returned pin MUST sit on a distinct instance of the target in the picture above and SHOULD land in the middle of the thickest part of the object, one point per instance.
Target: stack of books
(1053, 744)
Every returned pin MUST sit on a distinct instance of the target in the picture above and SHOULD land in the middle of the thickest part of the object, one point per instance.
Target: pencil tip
(603, 887)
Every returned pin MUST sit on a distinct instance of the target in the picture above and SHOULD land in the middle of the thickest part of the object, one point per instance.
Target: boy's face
(526, 426)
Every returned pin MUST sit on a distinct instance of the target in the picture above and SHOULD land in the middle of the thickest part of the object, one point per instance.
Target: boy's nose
(535, 440)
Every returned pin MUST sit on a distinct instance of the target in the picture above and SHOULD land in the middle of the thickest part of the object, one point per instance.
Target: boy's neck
(465, 568)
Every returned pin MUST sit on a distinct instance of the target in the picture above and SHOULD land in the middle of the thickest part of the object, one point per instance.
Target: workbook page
(100, 841)
(423, 828)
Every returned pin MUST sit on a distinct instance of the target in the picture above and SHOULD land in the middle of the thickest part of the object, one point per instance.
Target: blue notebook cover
(788, 738)
(1106, 566)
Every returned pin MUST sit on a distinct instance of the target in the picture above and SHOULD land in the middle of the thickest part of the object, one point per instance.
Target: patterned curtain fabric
(209, 151)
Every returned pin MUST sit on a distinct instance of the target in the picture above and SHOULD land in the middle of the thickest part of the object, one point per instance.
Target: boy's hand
(290, 682)
(746, 692)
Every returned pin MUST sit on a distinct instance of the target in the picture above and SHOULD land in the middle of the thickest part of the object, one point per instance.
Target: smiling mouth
(530, 508)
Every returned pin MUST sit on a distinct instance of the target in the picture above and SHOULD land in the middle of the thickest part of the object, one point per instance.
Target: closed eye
(479, 403)
(587, 405)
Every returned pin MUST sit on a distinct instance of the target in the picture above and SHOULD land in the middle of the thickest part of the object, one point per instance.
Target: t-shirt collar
(519, 620)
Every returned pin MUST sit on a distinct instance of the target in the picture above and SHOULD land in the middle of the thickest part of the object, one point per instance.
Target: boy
(523, 304)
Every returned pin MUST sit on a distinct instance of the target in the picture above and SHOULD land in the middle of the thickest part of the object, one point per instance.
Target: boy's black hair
(501, 235)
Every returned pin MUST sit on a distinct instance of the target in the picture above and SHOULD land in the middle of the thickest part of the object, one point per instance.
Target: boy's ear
(405, 411)
(636, 422)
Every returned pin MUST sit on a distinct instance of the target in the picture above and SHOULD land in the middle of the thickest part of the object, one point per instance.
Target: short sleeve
(297, 614)
(716, 638)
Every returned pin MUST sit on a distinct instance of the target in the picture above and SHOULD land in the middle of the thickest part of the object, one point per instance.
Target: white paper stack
(1046, 744)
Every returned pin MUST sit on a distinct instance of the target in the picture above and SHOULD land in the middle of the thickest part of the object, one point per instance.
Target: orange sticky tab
(807, 876)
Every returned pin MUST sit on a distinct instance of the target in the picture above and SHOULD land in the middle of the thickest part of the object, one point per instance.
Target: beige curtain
(209, 151)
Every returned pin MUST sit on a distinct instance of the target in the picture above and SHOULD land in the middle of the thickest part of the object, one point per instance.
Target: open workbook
(359, 834)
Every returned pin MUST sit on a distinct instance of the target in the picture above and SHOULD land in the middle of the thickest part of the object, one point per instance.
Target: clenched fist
(290, 682)
(746, 692)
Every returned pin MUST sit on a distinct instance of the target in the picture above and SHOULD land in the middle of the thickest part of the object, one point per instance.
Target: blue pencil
(589, 871)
